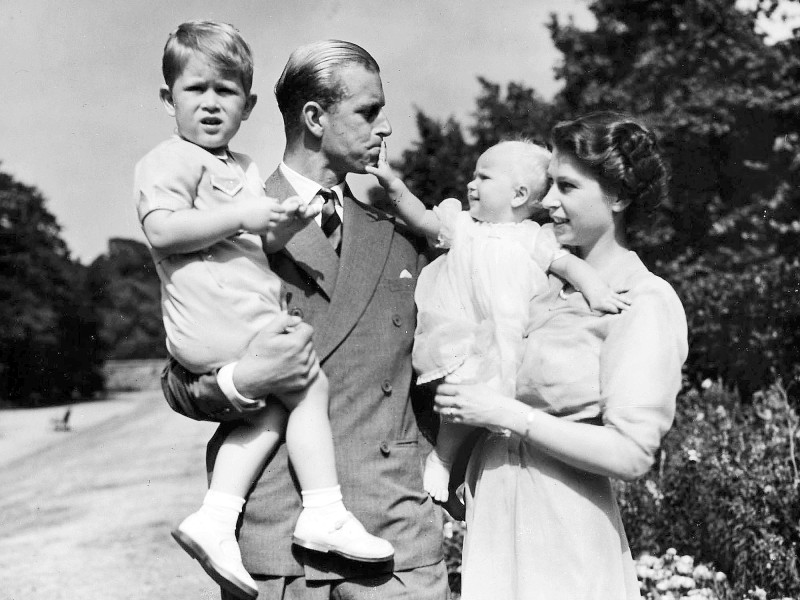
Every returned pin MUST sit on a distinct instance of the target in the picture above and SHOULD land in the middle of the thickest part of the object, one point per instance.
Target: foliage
(125, 289)
(726, 488)
(48, 342)
(726, 107)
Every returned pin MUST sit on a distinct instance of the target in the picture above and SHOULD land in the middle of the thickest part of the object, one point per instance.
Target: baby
(473, 301)
(205, 214)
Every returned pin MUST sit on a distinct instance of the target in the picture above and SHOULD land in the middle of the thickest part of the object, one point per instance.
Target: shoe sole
(229, 582)
(330, 549)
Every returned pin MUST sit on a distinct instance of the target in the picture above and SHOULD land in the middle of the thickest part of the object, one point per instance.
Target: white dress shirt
(306, 190)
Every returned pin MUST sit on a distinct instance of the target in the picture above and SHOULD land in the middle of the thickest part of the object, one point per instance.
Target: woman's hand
(474, 404)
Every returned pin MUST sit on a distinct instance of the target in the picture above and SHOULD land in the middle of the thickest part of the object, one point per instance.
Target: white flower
(707, 383)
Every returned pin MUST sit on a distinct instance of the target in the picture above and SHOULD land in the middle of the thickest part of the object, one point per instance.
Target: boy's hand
(382, 170)
(260, 216)
(296, 218)
(604, 299)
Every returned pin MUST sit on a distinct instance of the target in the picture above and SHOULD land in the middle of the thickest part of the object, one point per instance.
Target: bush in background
(725, 489)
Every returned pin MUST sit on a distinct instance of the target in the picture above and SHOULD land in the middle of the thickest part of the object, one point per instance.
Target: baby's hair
(624, 156)
(220, 43)
(531, 165)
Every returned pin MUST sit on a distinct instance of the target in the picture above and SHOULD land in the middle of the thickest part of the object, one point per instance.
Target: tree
(48, 342)
(125, 289)
(725, 105)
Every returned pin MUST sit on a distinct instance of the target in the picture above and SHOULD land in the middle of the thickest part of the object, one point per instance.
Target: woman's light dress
(537, 528)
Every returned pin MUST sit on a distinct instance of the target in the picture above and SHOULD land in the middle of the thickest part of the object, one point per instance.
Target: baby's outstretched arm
(422, 220)
(587, 280)
(185, 231)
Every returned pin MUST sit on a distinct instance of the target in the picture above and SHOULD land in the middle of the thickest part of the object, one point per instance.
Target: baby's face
(208, 104)
(493, 187)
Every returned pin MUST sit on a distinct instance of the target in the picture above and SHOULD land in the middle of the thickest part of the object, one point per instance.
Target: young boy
(208, 221)
(473, 301)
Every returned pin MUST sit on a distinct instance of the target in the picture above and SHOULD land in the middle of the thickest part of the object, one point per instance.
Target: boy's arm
(187, 230)
(587, 280)
(421, 220)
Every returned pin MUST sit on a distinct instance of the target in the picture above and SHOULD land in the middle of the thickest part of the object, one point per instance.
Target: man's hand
(279, 360)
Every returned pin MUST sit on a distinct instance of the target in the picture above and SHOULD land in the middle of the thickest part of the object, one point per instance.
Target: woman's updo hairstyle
(624, 157)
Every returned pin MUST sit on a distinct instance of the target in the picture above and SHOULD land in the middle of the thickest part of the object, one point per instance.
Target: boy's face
(492, 191)
(208, 104)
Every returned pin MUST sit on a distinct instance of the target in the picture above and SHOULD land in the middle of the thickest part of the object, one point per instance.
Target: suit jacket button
(397, 320)
(296, 312)
(386, 386)
(385, 449)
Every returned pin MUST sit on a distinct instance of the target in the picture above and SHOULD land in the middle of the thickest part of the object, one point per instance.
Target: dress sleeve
(546, 248)
(640, 365)
(450, 214)
(165, 180)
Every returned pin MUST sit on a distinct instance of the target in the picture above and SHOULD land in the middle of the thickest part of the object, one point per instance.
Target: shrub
(725, 489)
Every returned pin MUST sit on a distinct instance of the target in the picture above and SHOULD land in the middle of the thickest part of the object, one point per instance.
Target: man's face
(356, 125)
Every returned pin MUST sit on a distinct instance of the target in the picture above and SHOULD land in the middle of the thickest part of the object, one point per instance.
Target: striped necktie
(331, 223)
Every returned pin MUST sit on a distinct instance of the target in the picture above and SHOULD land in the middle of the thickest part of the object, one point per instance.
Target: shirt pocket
(227, 185)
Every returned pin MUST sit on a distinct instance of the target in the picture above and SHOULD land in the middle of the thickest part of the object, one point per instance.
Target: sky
(80, 82)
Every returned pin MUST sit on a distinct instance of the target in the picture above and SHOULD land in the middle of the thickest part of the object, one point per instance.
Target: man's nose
(382, 126)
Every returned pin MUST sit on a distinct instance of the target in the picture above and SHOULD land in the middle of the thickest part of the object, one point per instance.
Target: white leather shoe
(218, 554)
(345, 537)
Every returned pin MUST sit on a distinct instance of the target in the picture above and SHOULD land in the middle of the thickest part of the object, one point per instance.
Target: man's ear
(314, 118)
(521, 196)
(166, 99)
(249, 105)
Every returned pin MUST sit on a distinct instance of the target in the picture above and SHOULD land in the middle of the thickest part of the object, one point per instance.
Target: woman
(596, 392)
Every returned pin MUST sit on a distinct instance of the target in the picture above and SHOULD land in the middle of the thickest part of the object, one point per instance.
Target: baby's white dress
(473, 301)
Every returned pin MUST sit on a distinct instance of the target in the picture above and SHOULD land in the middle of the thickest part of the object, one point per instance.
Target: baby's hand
(260, 216)
(604, 299)
(382, 170)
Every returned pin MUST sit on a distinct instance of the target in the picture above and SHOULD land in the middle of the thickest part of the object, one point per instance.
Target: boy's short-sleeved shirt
(216, 299)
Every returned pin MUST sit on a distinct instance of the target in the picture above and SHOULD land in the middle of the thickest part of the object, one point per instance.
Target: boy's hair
(220, 43)
(530, 166)
(312, 74)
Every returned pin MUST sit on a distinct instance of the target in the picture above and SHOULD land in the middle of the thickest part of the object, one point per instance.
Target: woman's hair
(622, 154)
(312, 74)
(220, 43)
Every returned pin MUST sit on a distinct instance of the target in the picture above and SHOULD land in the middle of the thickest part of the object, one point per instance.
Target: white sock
(324, 501)
(222, 509)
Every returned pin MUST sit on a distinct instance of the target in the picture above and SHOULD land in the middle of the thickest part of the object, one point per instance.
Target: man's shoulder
(400, 227)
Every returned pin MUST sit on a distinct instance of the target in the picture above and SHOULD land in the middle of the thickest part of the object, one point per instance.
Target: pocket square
(404, 274)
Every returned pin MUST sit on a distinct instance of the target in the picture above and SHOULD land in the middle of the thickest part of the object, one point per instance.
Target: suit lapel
(309, 249)
(367, 237)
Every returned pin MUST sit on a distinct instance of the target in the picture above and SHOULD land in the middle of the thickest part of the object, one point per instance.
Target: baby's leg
(209, 535)
(436, 478)
(324, 524)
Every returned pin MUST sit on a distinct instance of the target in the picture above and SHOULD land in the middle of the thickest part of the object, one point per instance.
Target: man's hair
(220, 43)
(312, 74)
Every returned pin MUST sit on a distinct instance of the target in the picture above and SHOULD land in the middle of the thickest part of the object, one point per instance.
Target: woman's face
(582, 213)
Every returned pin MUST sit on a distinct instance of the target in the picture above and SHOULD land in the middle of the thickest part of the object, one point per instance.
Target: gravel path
(86, 515)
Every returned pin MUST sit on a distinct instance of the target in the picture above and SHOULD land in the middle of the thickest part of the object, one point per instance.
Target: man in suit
(351, 276)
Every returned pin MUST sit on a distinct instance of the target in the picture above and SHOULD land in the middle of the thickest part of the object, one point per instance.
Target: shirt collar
(306, 188)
